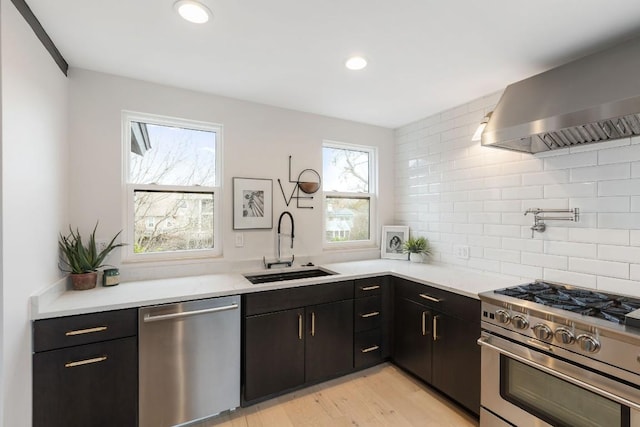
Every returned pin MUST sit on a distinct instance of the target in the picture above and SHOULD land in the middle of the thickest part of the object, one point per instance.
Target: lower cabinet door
(456, 359)
(92, 385)
(412, 347)
(329, 340)
(274, 353)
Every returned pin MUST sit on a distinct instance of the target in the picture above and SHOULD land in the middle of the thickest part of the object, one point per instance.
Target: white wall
(34, 196)
(454, 191)
(257, 142)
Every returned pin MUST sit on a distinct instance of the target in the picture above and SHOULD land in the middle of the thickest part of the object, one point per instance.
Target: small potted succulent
(81, 260)
(417, 248)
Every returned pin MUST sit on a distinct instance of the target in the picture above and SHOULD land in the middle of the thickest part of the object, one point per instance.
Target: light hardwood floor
(380, 396)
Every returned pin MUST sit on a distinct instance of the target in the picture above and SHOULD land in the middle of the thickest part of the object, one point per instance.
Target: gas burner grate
(581, 301)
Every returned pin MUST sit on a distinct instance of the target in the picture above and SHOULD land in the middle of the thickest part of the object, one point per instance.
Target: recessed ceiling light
(193, 11)
(356, 63)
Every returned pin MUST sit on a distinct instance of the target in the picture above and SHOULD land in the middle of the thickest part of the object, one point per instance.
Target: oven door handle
(484, 341)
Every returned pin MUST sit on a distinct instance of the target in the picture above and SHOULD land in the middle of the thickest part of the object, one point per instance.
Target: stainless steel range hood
(592, 99)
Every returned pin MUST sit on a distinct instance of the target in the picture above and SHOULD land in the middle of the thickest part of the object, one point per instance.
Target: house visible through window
(348, 183)
(172, 183)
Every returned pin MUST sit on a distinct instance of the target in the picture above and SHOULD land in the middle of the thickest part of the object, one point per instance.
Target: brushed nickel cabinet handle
(424, 323)
(369, 349)
(85, 362)
(429, 298)
(372, 314)
(299, 326)
(86, 331)
(435, 328)
(313, 324)
(370, 288)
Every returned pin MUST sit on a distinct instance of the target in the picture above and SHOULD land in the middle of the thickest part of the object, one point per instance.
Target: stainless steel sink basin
(287, 275)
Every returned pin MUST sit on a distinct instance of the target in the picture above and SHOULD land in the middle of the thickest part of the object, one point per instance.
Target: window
(349, 194)
(172, 174)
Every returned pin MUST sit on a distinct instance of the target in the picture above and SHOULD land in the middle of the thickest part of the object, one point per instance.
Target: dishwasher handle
(149, 318)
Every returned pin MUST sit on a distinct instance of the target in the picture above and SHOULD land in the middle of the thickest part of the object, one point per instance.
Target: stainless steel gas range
(559, 355)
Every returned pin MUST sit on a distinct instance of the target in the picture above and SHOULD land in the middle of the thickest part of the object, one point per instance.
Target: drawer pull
(372, 314)
(85, 362)
(369, 349)
(429, 298)
(86, 331)
(370, 288)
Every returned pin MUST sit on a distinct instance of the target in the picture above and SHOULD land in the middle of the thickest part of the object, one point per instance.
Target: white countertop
(150, 292)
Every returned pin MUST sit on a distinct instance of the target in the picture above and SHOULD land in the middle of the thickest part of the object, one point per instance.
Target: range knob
(565, 336)
(519, 321)
(503, 316)
(542, 332)
(588, 343)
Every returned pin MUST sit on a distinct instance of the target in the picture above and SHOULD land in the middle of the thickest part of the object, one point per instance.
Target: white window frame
(372, 195)
(128, 189)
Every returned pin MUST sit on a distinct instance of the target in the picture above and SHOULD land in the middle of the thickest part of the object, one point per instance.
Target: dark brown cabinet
(435, 334)
(85, 370)
(294, 337)
(412, 349)
(372, 315)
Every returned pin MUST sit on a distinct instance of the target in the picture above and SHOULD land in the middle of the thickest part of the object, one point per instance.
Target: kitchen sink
(287, 275)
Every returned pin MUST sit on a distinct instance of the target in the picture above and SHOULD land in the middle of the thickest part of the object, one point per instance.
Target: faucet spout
(280, 226)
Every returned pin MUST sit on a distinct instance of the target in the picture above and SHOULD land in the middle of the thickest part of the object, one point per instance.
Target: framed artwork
(393, 238)
(252, 203)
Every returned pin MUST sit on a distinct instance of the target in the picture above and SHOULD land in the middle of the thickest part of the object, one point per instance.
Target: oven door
(527, 387)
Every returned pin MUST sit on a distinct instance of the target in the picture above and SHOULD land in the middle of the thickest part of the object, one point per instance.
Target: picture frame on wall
(252, 203)
(393, 239)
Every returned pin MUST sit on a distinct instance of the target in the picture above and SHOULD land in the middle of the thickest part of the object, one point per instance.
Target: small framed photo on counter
(252, 203)
(393, 238)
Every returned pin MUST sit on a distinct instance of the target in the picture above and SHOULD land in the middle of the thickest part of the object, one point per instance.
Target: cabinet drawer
(368, 313)
(444, 301)
(285, 299)
(370, 286)
(367, 348)
(49, 334)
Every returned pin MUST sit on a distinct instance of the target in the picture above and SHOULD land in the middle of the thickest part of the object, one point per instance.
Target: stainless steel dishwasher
(189, 360)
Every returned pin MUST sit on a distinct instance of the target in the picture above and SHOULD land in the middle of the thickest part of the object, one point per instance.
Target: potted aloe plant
(81, 260)
(417, 248)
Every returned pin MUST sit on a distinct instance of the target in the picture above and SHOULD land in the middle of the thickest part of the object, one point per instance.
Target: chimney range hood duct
(592, 99)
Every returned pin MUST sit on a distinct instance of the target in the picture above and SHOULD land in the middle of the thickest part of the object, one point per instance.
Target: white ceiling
(424, 55)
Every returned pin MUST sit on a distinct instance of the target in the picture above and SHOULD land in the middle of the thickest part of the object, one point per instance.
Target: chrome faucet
(278, 260)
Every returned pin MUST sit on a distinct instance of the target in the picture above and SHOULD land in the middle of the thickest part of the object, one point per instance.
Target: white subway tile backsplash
(600, 204)
(571, 278)
(575, 160)
(619, 220)
(502, 255)
(583, 189)
(526, 271)
(527, 245)
(630, 254)
(626, 287)
(599, 268)
(502, 206)
(621, 187)
(599, 235)
(580, 250)
(601, 173)
(543, 260)
(532, 192)
(485, 241)
(547, 177)
(628, 153)
(492, 194)
(455, 191)
(502, 230)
